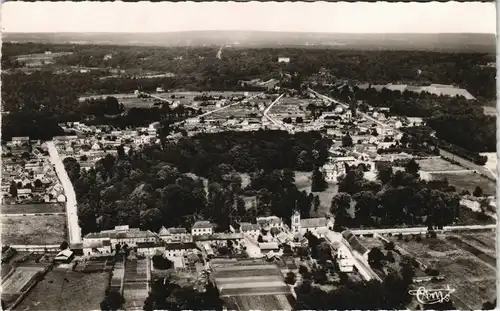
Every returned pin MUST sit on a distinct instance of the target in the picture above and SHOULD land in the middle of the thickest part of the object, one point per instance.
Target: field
(438, 164)
(135, 288)
(67, 290)
(468, 181)
(32, 208)
(34, 230)
(19, 280)
(259, 302)
(371, 242)
(471, 276)
(303, 182)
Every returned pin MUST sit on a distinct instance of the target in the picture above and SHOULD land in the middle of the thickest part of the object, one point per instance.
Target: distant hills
(450, 42)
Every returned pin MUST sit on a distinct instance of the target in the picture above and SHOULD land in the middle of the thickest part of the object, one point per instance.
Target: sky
(357, 17)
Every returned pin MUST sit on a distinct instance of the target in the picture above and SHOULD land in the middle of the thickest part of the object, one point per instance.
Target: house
(123, 235)
(175, 235)
(354, 244)
(18, 141)
(178, 249)
(314, 225)
(268, 247)
(283, 59)
(150, 248)
(97, 246)
(344, 259)
(252, 230)
(267, 223)
(221, 239)
(202, 227)
(64, 256)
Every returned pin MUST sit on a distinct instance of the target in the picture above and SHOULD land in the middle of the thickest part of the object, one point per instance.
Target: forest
(150, 188)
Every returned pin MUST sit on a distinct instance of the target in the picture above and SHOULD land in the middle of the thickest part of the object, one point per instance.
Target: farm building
(178, 249)
(175, 235)
(97, 246)
(64, 256)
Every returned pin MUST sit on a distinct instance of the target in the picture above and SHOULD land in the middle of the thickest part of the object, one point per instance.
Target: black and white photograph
(241, 156)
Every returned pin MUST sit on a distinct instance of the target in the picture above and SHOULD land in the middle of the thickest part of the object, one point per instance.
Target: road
(421, 230)
(271, 119)
(74, 231)
(464, 162)
(467, 164)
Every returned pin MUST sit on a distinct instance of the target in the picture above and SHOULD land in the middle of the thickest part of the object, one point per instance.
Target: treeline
(398, 198)
(247, 151)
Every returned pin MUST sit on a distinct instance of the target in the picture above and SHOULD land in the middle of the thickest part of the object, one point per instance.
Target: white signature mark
(432, 296)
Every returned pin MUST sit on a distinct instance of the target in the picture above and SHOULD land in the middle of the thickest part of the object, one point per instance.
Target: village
(271, 255)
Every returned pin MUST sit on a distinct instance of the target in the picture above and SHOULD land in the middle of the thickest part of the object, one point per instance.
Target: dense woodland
(149, 188)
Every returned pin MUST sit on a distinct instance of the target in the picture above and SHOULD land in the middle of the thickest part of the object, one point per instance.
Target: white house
(123, 235)
(283, 59)
(202, 227)
(270, 222)
(175, 235)
(97, 246)
(249, 229)
(178, 249)
(313, 225)
(150, 248)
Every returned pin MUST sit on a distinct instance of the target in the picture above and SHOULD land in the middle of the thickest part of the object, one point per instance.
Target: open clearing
(473, 278)
(32, 208)
(438, 164)
(303, 182)
(67, 290)
(34, 230)
(468, 181)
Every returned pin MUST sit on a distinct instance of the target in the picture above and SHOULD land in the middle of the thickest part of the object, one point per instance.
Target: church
(318, 226)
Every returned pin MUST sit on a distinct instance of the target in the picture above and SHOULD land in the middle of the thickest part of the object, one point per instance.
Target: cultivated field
(468, 181)
(32, 208)
(33, 230)
(259, 302)
(472, 277)
(19, 280)
(135, 288)
(438, 164)
(303, 182)
(67, 290)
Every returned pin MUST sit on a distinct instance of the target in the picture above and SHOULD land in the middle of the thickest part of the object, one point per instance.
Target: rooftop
(203, 224)
(314, 222)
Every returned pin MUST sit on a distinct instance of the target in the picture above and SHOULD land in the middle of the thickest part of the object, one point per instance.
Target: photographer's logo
(432, 296)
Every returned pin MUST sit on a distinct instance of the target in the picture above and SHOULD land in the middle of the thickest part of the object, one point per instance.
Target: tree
(375, 257)
(318, 181)
(478, 192)
(13, 189)
(489, 305)
(316, 203)
(162, 263)
(112, 301)
(385, 173)
(390, 246)
(64, 245)
(412, 167)
(260, 239)
(290, 278)
(341, 200)
(347, 141)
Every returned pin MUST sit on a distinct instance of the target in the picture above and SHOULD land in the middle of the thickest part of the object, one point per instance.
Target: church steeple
(296, 221)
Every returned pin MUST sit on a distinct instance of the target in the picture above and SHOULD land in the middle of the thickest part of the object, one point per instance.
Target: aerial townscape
(247, 170)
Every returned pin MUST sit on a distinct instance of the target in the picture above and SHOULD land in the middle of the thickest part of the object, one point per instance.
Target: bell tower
(296, 221)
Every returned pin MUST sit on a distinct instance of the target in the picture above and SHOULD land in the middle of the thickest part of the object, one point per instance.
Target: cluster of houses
(91, 143)
(27, 173)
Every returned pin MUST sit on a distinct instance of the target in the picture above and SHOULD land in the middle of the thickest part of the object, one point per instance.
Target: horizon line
(236, 30)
